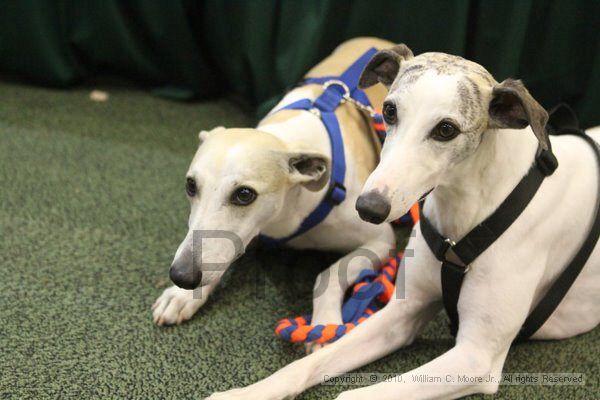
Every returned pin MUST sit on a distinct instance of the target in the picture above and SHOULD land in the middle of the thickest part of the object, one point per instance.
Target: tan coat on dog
(268, 180)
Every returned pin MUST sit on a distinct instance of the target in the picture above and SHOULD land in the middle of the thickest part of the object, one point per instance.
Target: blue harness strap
(337, 89)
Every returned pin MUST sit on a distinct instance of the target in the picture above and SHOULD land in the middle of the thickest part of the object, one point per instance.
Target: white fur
(471, 177)
(218, 165)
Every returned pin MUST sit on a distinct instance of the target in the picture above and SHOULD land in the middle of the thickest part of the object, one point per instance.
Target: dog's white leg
(396, 325)
(493, 304)
(176, 305)
(466, 369)
(331, 284)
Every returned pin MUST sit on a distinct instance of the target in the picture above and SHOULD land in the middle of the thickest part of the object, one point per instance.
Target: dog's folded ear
(308, 168)
(512, 106)
(384, 66)
(203, 135)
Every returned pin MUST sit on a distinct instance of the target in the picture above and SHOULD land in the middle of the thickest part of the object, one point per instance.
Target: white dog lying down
(267, 180)
(442, 134)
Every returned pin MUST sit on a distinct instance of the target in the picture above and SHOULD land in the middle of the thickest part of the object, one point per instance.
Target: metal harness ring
(451, 244)
(339, 83)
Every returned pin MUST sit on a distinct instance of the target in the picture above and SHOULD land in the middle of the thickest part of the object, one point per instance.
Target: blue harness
(337, 90)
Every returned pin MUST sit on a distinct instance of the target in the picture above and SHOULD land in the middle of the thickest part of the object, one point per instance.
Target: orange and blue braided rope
(372, 291)
(376, 287)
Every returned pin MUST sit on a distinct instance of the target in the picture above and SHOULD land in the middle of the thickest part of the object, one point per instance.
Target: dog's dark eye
(444, 131)
(190, 187)
(389, 113)
(243, 196)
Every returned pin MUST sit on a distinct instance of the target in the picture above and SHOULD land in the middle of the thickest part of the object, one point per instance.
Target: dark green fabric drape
(256, 49)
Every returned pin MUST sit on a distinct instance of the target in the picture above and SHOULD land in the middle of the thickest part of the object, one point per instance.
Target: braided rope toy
(372, 291)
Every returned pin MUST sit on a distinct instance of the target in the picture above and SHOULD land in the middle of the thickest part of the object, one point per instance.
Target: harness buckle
(452, 259)
(456, 267)
(315, 111)
(451, 242)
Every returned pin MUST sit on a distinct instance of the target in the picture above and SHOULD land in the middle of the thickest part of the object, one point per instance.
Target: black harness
(456, 257)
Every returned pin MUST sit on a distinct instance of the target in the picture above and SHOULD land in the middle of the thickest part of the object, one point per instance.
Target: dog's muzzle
(183, 273)
(373, 207)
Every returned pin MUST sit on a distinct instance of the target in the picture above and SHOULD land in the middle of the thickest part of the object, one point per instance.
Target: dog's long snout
(373, 207)
(183, 273)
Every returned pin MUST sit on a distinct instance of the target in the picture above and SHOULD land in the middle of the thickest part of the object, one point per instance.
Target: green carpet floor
(92, 210)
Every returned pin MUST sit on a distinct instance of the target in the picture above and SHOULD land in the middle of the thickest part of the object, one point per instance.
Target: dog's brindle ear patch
(384, 66)
(309, 170)
(512, 106)
(203, 135)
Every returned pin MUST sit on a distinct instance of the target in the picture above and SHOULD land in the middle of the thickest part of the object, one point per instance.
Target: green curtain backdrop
(255, 49)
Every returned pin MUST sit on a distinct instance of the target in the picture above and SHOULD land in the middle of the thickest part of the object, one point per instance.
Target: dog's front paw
(227, 395)
(280, 386)
(356, 394)
(248, 393)
(176, 305)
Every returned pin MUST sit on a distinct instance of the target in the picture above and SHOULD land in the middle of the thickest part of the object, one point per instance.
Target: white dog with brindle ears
(267, 180)
(454, 129)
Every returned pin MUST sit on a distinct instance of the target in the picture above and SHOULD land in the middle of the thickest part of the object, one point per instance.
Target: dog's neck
(475, 188)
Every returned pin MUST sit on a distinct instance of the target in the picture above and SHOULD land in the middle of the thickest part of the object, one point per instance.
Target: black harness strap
(457, 257)
(565, 280)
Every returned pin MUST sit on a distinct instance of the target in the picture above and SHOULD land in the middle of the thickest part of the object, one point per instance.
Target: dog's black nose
(373, 207)
(183, 273)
